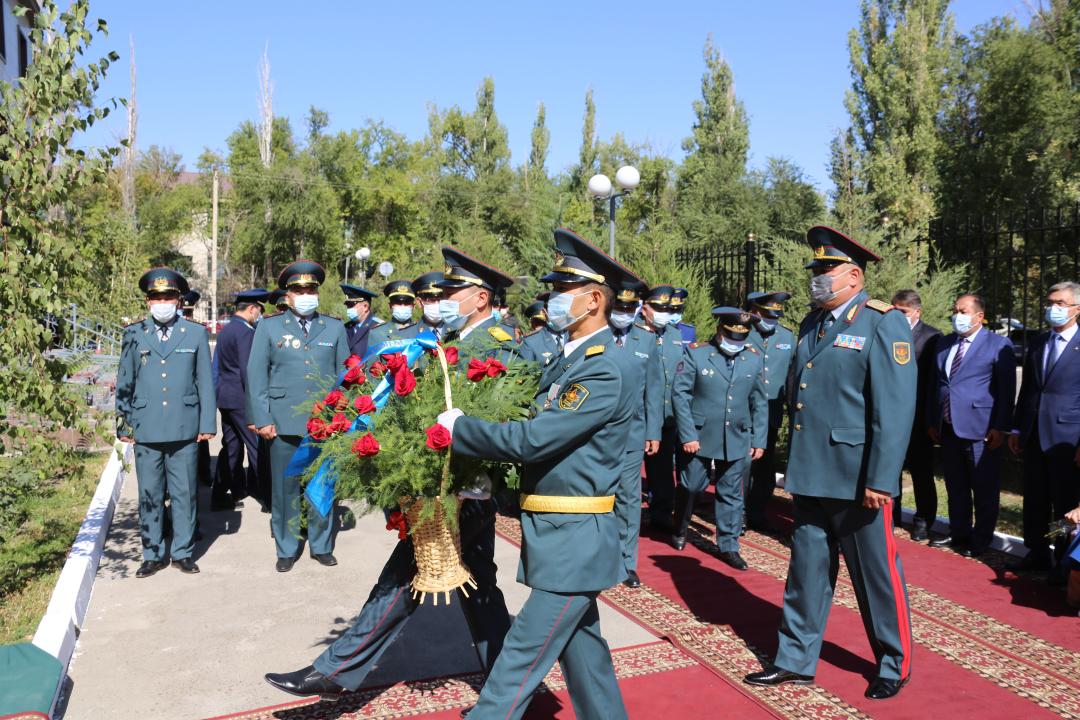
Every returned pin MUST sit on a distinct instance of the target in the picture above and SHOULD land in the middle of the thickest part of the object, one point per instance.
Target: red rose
(451, 355)
(353, 375)
(366, 446)
(397, 522)
(340, 423)
(495, 368)
(364, 405)
(396, 362)
(438, 437)
(377, 369)
(333, 398)
(477, 370)
(317, 408)
(352, 361)
(404, 382)
(318, 429)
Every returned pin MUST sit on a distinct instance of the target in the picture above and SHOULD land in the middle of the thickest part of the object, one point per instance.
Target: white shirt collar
(1066, 335)
(972, 336)
(572, 345)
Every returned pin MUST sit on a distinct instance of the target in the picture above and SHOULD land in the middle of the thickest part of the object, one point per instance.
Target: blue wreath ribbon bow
(320, 489)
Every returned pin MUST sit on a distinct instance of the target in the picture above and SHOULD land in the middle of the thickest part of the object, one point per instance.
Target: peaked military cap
(399, 288)
(631, 292)
(579, 261)
(771, 304)
(679, 296)
(661, 295)
(277, 298)
(254, 295)
(191, 299)
(355, 292)
(537, 310)
(733, 320)
(428, 284)
(301, 273)
(832, 247)
(162, 280)
(463, 271)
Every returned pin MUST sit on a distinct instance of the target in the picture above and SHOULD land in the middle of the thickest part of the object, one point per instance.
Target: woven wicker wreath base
(439, 569)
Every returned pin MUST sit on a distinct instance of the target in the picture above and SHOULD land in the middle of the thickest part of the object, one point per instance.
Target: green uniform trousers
(865, 537)
(728, 496)
(285, 500)
(628, 508)
(553, 626)
(173, 465)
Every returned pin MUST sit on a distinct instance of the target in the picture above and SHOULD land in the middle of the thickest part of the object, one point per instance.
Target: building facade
(15, 53)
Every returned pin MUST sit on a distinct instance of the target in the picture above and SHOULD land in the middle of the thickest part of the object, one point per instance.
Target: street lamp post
(600, 187)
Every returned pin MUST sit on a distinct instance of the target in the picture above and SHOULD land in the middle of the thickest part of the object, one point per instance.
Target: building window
(24, 55)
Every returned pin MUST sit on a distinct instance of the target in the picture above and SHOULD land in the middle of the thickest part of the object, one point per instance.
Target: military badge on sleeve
(573, 397)
(901, 352)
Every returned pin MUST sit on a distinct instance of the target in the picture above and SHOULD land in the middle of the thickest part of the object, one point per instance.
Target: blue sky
(197, 66)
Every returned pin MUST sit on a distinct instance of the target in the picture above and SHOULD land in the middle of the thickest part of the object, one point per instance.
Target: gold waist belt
(567, 503)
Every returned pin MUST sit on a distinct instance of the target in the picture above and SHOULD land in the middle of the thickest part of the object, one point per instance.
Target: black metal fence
(731, 272)
(1011, 260)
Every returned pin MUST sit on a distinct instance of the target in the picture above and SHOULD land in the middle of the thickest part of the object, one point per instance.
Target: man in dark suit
(1046, 428)
(920, 453)
(969, 412)
(232, 481)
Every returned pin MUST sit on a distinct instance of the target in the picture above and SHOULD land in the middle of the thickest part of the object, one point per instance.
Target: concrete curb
(59, 629)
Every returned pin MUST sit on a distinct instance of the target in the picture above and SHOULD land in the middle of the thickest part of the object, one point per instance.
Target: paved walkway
(182, 647)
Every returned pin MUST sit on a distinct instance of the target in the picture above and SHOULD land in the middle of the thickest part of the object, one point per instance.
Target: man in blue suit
(1046, 428)
(232, 482)
(969, 413)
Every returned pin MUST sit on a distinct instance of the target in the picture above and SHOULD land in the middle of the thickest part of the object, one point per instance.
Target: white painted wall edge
(58, 631)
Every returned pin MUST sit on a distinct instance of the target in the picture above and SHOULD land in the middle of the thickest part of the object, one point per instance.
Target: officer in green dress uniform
(400, 326)
(359, 321)
(852, 394)
(572, 452)
(540, 342)
(722, 416)
(165, 405)
(428, 294)
(293, 355)
(776, 344)
(660, 466)
(637, 348)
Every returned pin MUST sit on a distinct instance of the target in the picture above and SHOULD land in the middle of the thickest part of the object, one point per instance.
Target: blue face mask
(497, 314)
(676, 318)
(622, 320)
(1057, 315)
(450, 312)
(766, 324)
(352, 313)
(401, 313)
(305, 305)
(661, 319)
(558, 308)
(961, 323)
(731, 347)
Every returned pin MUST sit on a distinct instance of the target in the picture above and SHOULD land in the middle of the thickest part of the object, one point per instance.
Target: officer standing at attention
(358, 318)
(540, 342)
(232, 481)
(637, 349)
(165, 405)
(660, 466)
(293, 355)
(776, 345)
(678, 302)
(428, 294)
(401, 325)
(722, 416)
(572, 452)
(853, 400)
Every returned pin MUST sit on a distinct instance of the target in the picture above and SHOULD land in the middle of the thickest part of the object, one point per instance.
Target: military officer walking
(540, 342)
(776, 345)
(359, 321)
(401, 325)
(572, 453)
(853, 400)
(165, 405)
(293, 354)
(722, 416)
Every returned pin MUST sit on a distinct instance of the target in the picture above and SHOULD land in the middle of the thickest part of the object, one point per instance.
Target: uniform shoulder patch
(594, 350)
(901, 352)
(573, 397)
(499, 334)
(880, 305)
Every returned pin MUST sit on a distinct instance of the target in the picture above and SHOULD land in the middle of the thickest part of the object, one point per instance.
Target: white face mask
(305, 305)
(661, 319)
(961, 323)
(622, 320)
(163, 312)
(401, 313)
(352, 313)
(431, 313)
(731, 347)
(676, 318)
(766, 324)
(559, 307)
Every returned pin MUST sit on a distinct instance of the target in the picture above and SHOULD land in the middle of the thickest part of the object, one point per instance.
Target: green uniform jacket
(165, 391)
(722, 405)
(672, 348)
(852, 398)
(285, 368)
(574, 446)
(539, 345)
(486, 339)
(777, 351)
(640, 357)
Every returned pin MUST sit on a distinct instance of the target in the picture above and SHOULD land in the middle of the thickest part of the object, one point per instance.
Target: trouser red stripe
(899, 593)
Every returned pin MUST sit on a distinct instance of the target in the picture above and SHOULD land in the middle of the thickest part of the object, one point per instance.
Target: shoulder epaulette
(131, 325)
(499, 334)
(880, 305)
(594, 350)
(643, 326)
(531, 332)
(378, 324)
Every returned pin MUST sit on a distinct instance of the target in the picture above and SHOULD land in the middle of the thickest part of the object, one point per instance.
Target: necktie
(304, 323)
(946, 410)
(163, 332)
(1055, 350)
(620, 340)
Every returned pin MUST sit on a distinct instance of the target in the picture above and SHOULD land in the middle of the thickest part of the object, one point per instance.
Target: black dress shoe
(883, 688)
(941, 541)
(974, 551)
(306, 682)
(772, 676)
(285, 564)
(632, 580)
(186, 565)
(1030, 562)
(149, 567)
(919, 533)
(734, 559)
(678, 541)
(326, 559)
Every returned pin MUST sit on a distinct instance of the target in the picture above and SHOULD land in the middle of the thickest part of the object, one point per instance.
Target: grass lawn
(31, 559)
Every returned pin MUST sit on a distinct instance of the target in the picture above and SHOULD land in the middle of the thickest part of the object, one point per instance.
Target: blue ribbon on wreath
(320, 489)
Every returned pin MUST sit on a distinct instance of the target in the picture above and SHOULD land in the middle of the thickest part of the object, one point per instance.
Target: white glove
(448, 418)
